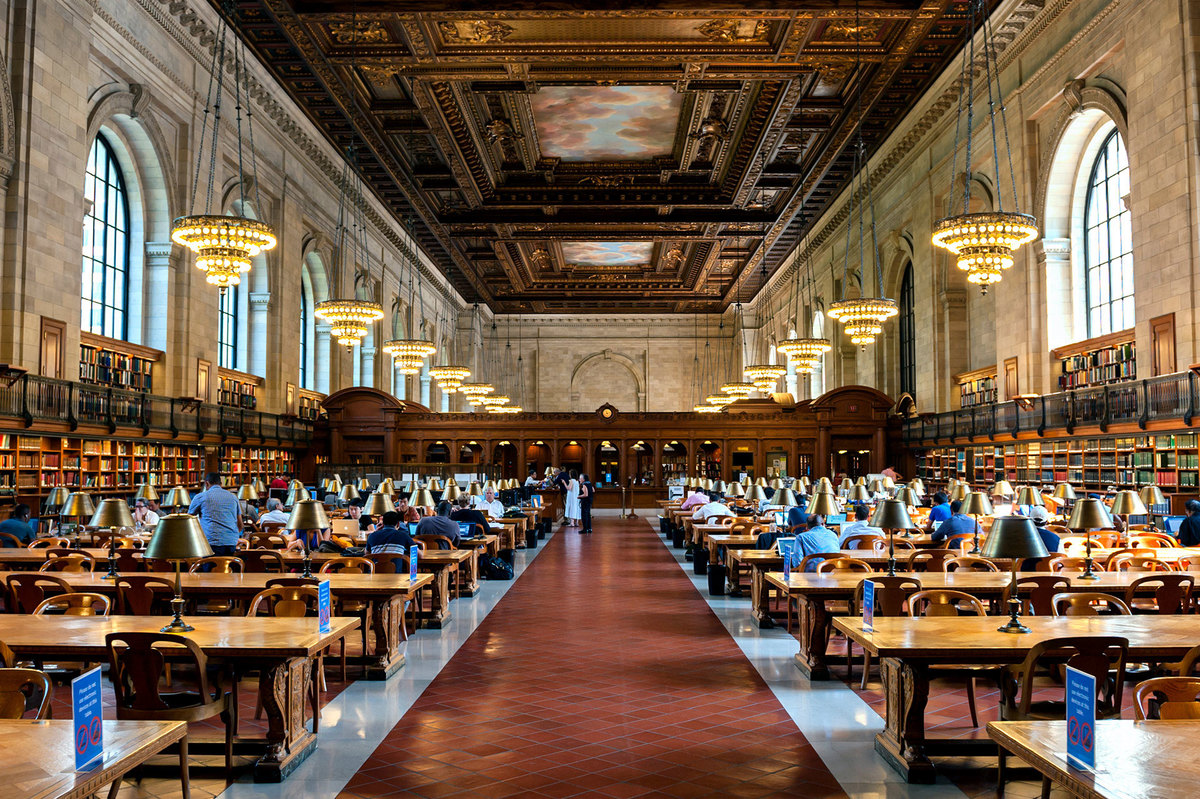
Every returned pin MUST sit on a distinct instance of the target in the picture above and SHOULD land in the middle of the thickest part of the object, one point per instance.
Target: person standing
(220, 515)
(587, 493)
(571, 506)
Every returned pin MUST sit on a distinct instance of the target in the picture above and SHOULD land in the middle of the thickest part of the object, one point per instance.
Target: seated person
(1189, 528)
(818, 538)
(354, 508)
(143, 517)
(796, 516)
(465, 513)
(712, 508)
(390, 537)
(859, 526)
(274, 512)
(18, 525)
(307, 539)
(694, 500)
(957, 523)
(940, 511)
(488, 503)
(1041, 519)
(366, 524)
(441, 524)
(406, 511)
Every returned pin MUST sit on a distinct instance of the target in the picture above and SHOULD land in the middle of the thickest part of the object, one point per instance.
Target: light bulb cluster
(449, 378)
(805, 352)
(409, 354)
(495, 400)
(706, 408)
(349, 320)
(475, 392)
(764, 376)
(863, 317)
(223, 245)
(505, 409)
(738, 390)
(984, 242)
(719, 400)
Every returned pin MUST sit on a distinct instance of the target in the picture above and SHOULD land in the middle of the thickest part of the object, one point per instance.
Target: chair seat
(186, 711)
(1049, 711)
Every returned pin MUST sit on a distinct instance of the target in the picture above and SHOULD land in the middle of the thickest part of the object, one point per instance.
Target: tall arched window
(227, 328)
(305, 332)
(105, 291)
(908, 334)
(1108, 241)
(817, 379)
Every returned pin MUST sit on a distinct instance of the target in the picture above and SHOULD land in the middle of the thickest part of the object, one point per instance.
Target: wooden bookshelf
(977, 387)
(674, 462)
(1097, 361)
(308, 406)
(237, 389)
(114, 363)
(240, 464)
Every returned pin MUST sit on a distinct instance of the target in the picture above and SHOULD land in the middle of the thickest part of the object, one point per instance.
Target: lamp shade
(295, 484)
(259, 485)
(908, 497)
(1027, 495)
(762, 481)
(247, 493)
(452, 492)
(1089, 513)
(824, 503)
(876, 486)
(364, 484)
(736, 490)
(719, 487)
(804, 481)
(307, 514)
(977, 503)
(112, 512)
(378, 504)
(776, 484)
(473, 490)
(146, 491)
(295, 496)
(1152, 495)
(78, 504)
(891, 514)
(334, 486)
(178, 536)
(747, 482)
(412, 487)
(755, 493)
(784, 497)
(888, 483)
(1064, 491)
(385, 487)
(917, 485)
(177, 497)
(859, 493)
(57, 497)
(845, 483)
(1128, 503)
(435, 485)
(423, 498)
(824, 485)
(1014, 537)
(862, 481)
(349, 493)
(959, 492)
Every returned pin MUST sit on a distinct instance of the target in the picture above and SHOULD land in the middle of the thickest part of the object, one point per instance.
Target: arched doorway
(471, 452)
(608, 465)
(674, 463)
(641, 459)
(708, 460)
(537, 458)
(572, 456)
(437, 452)
(504, 459)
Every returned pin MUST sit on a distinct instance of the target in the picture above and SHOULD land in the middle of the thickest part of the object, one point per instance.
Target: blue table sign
(535, 500)
(787, 565)
(412, 562)
(869, 606)
(323, 605)
(1081, 719)
(86, 710)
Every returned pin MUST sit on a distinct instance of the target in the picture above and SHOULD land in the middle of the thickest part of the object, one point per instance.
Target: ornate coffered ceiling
(576, 156)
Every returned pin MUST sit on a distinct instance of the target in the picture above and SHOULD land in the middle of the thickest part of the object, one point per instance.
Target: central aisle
(601, 672)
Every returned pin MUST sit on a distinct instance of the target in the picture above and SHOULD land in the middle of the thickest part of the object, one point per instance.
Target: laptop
(412, 528)
(781, 518)
(466, 529)
(786, 546)
(838, 519)
(1172, 523)
(345, 528)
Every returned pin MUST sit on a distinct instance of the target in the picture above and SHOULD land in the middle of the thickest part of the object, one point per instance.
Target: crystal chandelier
(349, 320)
(983, 242)
(409, 354)
(764, 376)
(495, 400)
(738, 390)
(706, 408)
(224, 245)
(475, 392)
(506, 409)
(863, 317)
(719, 400)
(449, 378)
(805, 352)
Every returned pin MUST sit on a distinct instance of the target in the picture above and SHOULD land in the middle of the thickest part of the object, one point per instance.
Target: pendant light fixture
(862, 316)
(762, 376)
(735, 389)
(224, 245)
(449, 376)
(409, 354)
(983, 242)
(476, 391)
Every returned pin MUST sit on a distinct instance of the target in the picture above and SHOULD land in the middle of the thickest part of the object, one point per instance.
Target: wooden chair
(969, 563)
(1103, 657)
(1152, 541)
(22, 690)
(75, 562)
(943, 602)
(127, 560)
(26, 590)
(268, 528)
(217, 564)
(137, 665)
(50, 543)
(351, 607)
(267, 540)
(724, 521)
(143, 594)
(1167, 699)
(293, 601)
(1075, 545)
(1088, 603)
(1037, 593)
(1187, 666)
(899, 545)
(959, 541)
(1136, 562)
(8, 539)
(929, 560)
(864, 541)
(1172, 593)
(817, 557)
(891, 593)
(842, 564)
(1065, 563)
(389, 562)
(434, 541)
(262, 561)
(292, 581)
(74, 604)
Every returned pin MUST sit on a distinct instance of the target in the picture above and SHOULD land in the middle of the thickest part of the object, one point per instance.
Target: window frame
(1103, 308)
(907, 330)
(227, 325)
(108, 326)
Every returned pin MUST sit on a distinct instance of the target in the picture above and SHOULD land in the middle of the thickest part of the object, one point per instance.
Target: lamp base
(110, 576)
(177, 626)
(1014, 626)
(1088, 576)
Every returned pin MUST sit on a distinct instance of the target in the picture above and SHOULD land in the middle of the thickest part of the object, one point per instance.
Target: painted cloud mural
(606, 123)
(607, 253)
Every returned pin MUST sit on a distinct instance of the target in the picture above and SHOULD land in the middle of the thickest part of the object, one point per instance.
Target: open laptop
(1171, 524)
(466, 529)
(835, 519)
(781, 518)
(345, 528)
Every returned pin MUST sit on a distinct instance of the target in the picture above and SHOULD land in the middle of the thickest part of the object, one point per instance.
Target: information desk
(282, 650)
(905, 649)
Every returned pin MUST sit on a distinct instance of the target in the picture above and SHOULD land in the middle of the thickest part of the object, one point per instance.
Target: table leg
(387, 620)
(469, 580)
(284, 689)
(902, 742)
(439, 606)
(760, 598)
(815, 623)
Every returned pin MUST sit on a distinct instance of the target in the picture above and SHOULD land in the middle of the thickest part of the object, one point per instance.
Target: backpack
(494, 568)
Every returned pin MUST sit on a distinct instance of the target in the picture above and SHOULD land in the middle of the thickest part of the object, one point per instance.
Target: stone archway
(606, 376)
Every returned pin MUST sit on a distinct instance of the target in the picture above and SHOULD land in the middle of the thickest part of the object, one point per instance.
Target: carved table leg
(439, 606)
(815, 624)
(284, 689)
(902, 742)
(387, 620)
(760, 598)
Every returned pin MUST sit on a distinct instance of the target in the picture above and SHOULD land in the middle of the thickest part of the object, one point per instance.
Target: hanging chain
(970, 110)
(989, 35)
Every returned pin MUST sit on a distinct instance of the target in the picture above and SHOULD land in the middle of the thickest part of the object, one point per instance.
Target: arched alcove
(606, 377)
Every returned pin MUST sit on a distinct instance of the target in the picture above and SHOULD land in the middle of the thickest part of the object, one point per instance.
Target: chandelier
(449, 378)
(719, 400)
(706, 408)
(764, 376)
(409, 354)
(495, 400)
(224, 245)
(505, 409)
(349, 320)
(738, 390)
(983, 242)
(863, 317)
(475, 392)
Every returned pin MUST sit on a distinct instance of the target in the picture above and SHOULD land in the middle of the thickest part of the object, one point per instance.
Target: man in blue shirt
(957, 523)
(388, 538)
(859, 526)
(940, 511)
(1039, 517)
(220, 515)
(817, 539)
(17, 525)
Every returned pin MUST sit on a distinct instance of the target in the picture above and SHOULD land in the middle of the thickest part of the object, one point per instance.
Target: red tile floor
(602, 672)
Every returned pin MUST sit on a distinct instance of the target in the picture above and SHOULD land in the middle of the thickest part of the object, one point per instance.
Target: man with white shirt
(274, 512)
(711, 509)
(488, 503)
(859, 526)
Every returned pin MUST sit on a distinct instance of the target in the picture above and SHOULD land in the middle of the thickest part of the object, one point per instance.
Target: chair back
(899, 545)
(266, 540)
(1101, 656)
(841, 564)
(890, 593)
(943, 602)
(818, 557)
(294, 601)
(1065, 563)
(74, 604)
(969, 563)
(864, 541)
(262, 561)
(1075, 544)
(1088, 603)
(958, 541)
(1167, 699)
(389, 562)
(348, 565)
(1037, 593)
(19, 687)
(219, 564)
(48, 543)
(137, 664)
(1185, 667)
(26, 590)
(127, 560)
(271, 527)
(929, 560)
(434, 541)
(1152, 541)
(1172, 592)
(291, 582)
(724, 521)
(76, 562)
(1136, 561)
(12, 540)
(137, 593)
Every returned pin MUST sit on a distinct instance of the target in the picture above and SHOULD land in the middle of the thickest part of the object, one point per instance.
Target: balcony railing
(1172, 397)
(31, 398)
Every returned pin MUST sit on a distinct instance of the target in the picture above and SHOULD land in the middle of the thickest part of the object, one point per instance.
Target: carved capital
(1052, 250)
(953, 299)
(158, 249)
(260, 300)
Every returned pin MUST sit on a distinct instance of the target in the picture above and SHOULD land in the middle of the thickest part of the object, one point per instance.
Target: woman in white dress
(571, 510)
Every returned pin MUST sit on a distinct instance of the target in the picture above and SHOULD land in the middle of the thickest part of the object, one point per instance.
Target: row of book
(108, 368)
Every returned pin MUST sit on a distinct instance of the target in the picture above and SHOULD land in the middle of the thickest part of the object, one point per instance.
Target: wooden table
(1138, 759)
(814, 590)
(512, 533)
(281, 649)
(905, 649)
(386, 593)
(39, 756)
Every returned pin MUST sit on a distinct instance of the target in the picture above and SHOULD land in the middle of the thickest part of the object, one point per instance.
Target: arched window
(306, 307)
(105, 291)
(1108, 242)
(227, 328)
(817, 379)
(908, 334)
